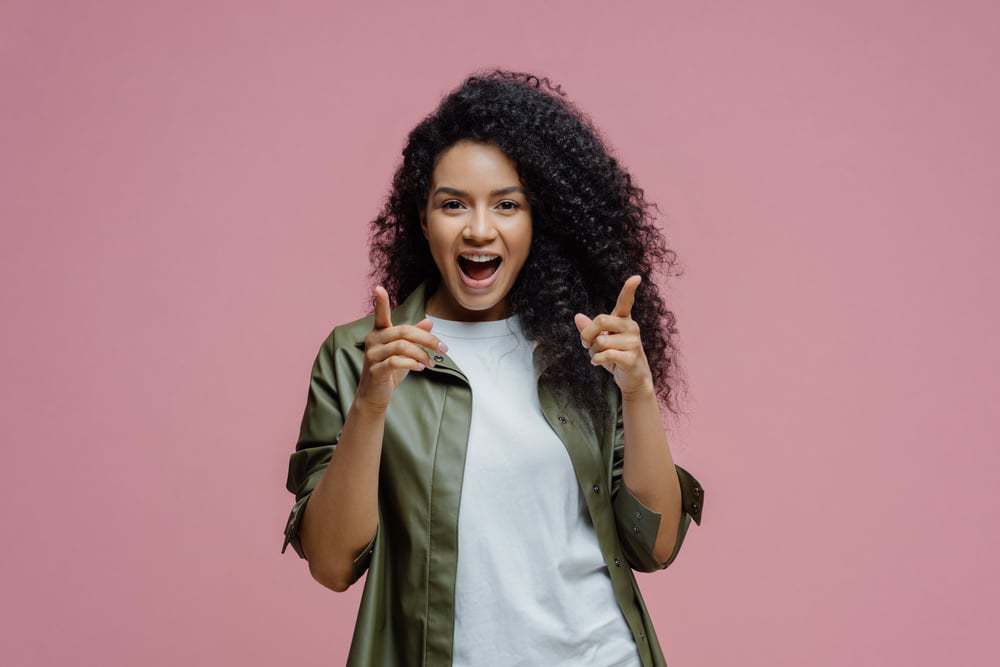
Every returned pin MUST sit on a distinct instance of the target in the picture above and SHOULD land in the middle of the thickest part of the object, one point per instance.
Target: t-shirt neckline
(508, 326)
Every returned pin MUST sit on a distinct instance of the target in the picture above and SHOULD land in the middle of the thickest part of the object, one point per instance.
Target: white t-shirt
(532, 586)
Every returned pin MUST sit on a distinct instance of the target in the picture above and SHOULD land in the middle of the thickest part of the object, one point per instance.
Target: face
(476, 206)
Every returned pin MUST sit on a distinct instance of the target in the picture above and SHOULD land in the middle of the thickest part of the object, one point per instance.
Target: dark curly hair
(591, 226)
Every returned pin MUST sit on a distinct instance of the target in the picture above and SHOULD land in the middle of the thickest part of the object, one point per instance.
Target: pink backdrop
(186, 188)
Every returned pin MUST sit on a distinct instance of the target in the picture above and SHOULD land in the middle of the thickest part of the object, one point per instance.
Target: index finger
(382, 316)
(626, 298)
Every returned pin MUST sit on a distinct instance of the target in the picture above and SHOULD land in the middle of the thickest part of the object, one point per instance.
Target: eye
(513, 205)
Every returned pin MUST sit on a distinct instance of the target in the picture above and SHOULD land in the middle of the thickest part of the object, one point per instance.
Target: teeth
(480, 258)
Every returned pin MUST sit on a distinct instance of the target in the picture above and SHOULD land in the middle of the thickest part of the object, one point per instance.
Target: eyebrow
(459, 193)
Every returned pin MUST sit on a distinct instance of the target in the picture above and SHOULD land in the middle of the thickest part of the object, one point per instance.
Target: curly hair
(591, 226)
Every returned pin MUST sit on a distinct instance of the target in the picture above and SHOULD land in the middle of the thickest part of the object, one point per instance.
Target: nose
(480, 227)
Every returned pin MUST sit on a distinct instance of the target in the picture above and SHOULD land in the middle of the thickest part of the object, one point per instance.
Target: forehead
(473, 166)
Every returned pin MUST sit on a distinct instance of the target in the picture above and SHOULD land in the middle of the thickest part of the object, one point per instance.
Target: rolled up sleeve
(638, 524)
(320, 430)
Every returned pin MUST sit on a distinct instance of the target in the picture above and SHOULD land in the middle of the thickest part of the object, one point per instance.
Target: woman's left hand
(613, 342)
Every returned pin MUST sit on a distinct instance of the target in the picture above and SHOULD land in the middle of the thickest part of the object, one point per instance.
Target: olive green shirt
(406, 616)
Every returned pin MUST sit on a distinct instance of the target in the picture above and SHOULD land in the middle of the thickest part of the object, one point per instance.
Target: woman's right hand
(391, 352)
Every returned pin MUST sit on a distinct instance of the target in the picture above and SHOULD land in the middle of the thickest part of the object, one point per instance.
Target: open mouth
(478, 272)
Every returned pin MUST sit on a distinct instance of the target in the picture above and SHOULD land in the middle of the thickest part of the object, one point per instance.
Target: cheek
(523, 243)
(441, 242)
(438, 239)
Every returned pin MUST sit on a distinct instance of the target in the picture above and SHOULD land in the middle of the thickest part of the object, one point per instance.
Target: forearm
(341, 516)
(649, 471)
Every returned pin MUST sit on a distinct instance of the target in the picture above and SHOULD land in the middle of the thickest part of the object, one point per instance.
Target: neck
(443, 305)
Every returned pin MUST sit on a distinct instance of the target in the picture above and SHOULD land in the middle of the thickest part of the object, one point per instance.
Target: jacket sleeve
(638, 524)
(320, 430)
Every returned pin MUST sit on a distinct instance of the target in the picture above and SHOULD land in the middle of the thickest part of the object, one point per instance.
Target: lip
(478, 285)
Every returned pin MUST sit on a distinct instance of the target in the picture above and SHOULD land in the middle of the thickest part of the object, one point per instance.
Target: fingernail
(420, 366)
(442, 347)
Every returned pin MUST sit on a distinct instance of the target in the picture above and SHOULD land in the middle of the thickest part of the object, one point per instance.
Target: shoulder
(348, 336)
(340, 357)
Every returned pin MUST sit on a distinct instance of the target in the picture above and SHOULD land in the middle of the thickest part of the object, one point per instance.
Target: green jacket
(406, 616)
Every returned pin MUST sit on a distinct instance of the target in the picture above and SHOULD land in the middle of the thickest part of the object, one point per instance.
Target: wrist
(644, 393)
(367, 408)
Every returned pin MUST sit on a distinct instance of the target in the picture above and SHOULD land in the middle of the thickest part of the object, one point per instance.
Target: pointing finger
(382, 318)
(626, 298)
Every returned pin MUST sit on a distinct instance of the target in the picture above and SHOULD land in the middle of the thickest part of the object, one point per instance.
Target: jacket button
(597, 488)
(694, 506)
(562, 419)
(635, 529)
(638, 515)
(438, 357)
(642, 636)
(618, 562)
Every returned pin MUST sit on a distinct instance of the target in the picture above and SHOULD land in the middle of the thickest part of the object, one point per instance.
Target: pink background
(186, 189)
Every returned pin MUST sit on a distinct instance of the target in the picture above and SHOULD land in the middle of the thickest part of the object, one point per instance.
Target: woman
(492, 456)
